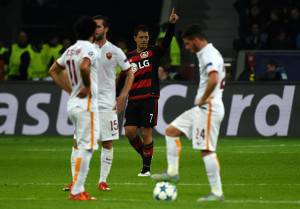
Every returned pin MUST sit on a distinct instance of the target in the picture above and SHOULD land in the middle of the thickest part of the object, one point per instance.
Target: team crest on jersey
(134, 67)
(144, 55)
(108, 55)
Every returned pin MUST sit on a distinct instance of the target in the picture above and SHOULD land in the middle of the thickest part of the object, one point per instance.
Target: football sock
(213, 173)
(147, 156)
(73, 160)
(137, 144)
(106, 162)
(173, 154)
(81, 170)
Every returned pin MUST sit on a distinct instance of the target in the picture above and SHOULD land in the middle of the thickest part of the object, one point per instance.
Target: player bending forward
(202, 122)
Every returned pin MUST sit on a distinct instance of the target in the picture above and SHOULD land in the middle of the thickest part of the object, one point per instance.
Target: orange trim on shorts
(89, 103)
(77, 169)
(92, 130)
(178, 145)
(208, 125)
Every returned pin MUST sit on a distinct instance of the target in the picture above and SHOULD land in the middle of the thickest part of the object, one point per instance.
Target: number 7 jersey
(70, 60)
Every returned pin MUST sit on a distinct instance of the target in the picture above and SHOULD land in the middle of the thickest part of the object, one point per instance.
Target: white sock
(173, 154)
(213, 173)
(81, 170)
(107, 156)
(73, 160)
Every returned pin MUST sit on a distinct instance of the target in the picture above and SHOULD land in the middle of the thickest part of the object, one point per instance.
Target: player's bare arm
(123, 95)
(211, 85)
(85, 74)
(60, 77)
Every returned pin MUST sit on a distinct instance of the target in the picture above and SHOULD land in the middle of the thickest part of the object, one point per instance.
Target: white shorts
(86, 128)
(201, 125)
(108, 126)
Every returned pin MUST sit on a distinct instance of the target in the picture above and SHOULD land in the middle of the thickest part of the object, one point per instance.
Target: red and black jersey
(145, 66)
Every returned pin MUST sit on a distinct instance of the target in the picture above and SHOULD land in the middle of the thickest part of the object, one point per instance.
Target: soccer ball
(165, 191)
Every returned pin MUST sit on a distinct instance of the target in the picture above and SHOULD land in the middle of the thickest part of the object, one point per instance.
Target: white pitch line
(145, 184)
(294, 202)
(250, 201)
(265, 145)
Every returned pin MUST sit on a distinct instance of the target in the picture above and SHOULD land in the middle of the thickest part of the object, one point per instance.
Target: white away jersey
(111, 57)
(71, 59)
(210, 60)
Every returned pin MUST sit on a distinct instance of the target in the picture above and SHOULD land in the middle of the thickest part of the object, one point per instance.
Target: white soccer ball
(165, 191)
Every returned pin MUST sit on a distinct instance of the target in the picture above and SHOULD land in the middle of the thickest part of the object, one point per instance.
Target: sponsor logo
(241, 104)
(139, 65)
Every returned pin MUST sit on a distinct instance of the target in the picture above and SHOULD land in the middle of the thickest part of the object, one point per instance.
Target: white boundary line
(249, 201)
(143, 184)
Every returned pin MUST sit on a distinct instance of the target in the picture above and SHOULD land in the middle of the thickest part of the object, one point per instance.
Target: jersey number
(151, 117)
(72, 72)
(114, 125)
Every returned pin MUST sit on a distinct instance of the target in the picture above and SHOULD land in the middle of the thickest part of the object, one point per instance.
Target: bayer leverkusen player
(141, 111)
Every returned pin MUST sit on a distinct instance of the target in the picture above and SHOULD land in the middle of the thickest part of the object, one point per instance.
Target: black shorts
(141, 113)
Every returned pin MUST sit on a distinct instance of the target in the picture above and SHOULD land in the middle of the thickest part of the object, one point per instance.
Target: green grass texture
(256, 173)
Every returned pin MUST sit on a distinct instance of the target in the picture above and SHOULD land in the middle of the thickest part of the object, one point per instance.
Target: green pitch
(257, 173)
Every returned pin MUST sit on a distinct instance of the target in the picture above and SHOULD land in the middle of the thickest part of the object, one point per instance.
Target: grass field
(257, 173)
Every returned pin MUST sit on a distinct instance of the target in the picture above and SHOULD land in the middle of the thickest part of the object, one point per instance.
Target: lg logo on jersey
(139, 65)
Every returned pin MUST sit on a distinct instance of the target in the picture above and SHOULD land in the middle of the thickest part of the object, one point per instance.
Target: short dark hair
(104, 18)
(84, 28)
(139, 28)
(194, 31)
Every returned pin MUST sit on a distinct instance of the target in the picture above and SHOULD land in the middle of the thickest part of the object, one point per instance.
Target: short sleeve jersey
(210, 60)
(71, 60)
(111, 57)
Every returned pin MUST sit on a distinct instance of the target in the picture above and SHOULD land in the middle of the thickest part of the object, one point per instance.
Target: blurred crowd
(30, 60)
(268, 24)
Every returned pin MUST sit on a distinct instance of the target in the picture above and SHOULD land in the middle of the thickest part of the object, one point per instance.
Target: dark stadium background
(55, 17)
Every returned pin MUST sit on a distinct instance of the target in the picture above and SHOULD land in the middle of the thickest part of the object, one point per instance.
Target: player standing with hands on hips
(201, 123)
(141, 111)
(75, 72)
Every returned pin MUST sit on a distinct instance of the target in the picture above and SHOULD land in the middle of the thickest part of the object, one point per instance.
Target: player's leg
(173, 146)
(147, 151)
(132, 117)
(134, 139)
(205, 137)
(109, 131)
(182, 124)
(106, 158)
(74, 155)
(148, 121)
(86, 133)
(212, 168)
